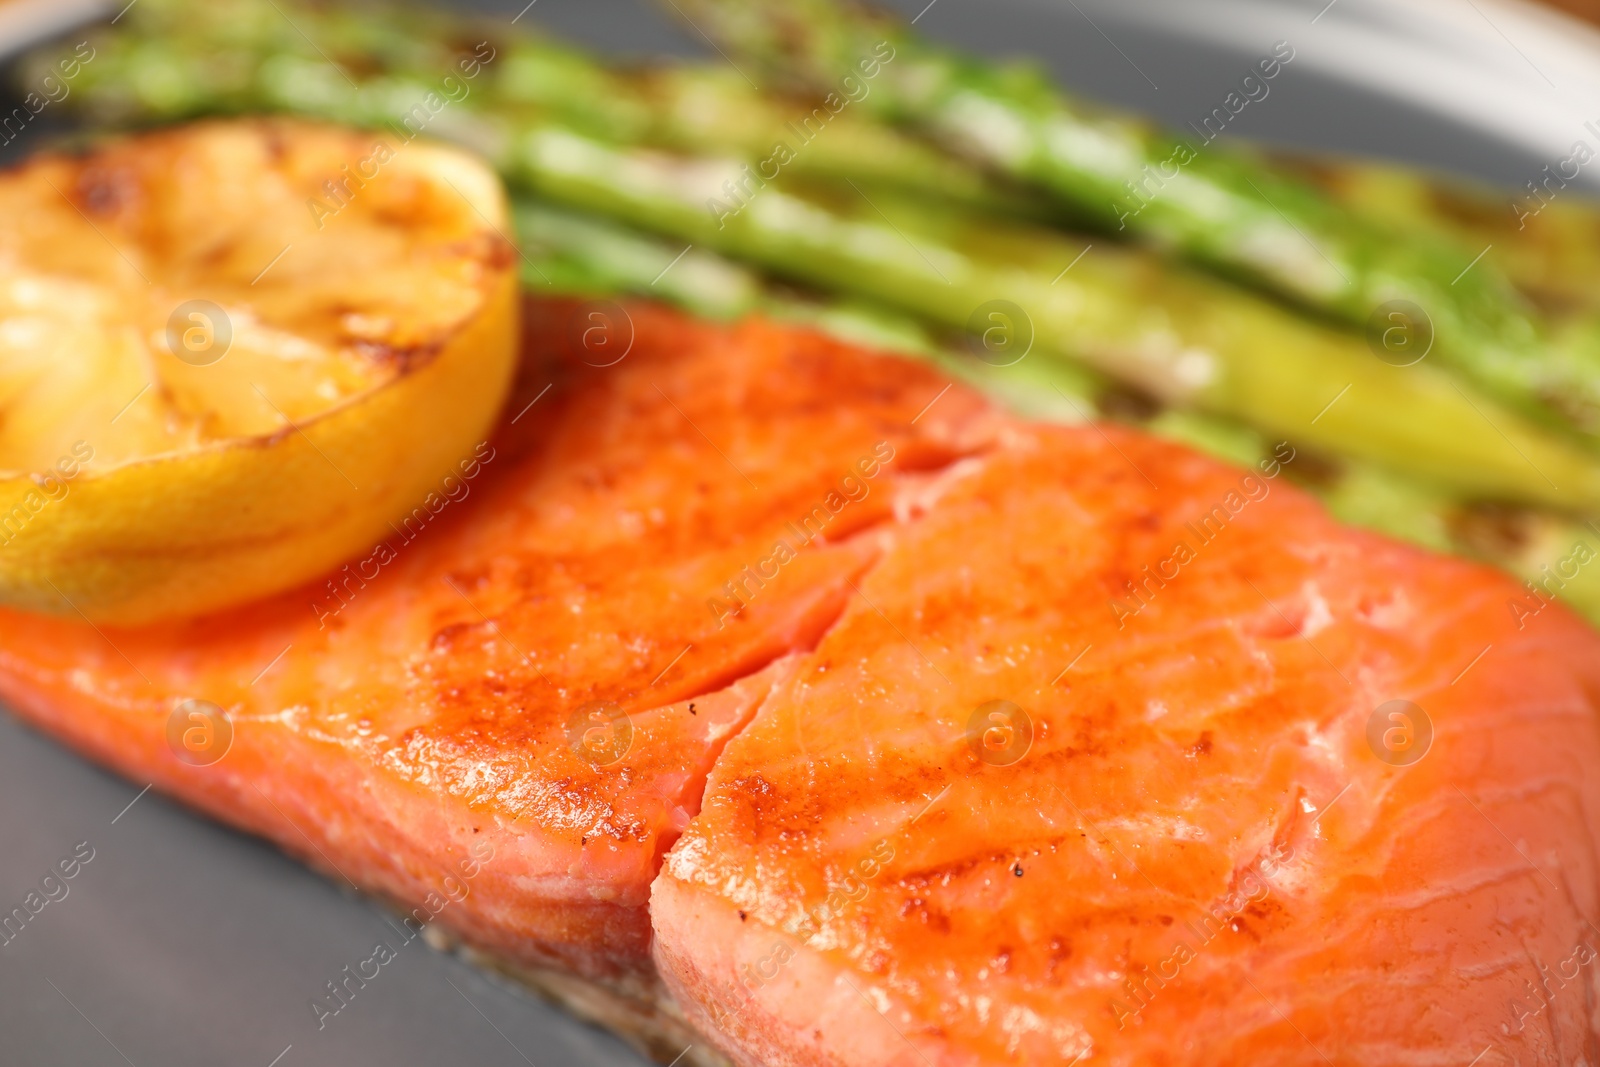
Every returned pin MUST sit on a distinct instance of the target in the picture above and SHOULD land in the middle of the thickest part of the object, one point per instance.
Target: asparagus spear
(1549, 248)
(568, 252)
(169, 58)
(1223, 208)
(1190, 340)
(712, 110)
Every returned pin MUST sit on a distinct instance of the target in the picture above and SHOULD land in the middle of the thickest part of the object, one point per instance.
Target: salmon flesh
(764, 690)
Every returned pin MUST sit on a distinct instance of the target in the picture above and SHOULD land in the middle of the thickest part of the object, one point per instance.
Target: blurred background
(1490, 89)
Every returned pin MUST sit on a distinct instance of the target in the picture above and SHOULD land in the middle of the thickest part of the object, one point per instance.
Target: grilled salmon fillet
(503, 715)
(755, 687)
(1057, 790)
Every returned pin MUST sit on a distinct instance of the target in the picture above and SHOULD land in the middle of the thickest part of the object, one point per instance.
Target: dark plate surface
(182, 944)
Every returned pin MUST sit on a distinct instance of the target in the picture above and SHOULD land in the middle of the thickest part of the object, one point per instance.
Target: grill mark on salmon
(1216, 868)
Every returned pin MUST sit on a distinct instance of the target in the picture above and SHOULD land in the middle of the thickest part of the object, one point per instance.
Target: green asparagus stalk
(713, 111)
(170, 57)
(1221, 207)
(1550, 250)
(1189, 340)
(571, 253)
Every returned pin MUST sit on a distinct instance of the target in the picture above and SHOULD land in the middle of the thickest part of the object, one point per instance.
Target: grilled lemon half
(232, 353)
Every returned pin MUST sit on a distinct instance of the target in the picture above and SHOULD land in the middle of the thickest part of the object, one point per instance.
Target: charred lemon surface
(232, 353)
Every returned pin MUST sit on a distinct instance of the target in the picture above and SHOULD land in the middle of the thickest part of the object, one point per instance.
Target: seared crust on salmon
(888, 730)
(431, 703)
(1209, 848)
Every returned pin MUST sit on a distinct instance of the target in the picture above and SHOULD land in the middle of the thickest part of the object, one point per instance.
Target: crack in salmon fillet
(1173, 842)
(544, 661)
(762, 693)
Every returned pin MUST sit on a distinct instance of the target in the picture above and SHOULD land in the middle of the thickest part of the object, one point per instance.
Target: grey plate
(182, 944)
